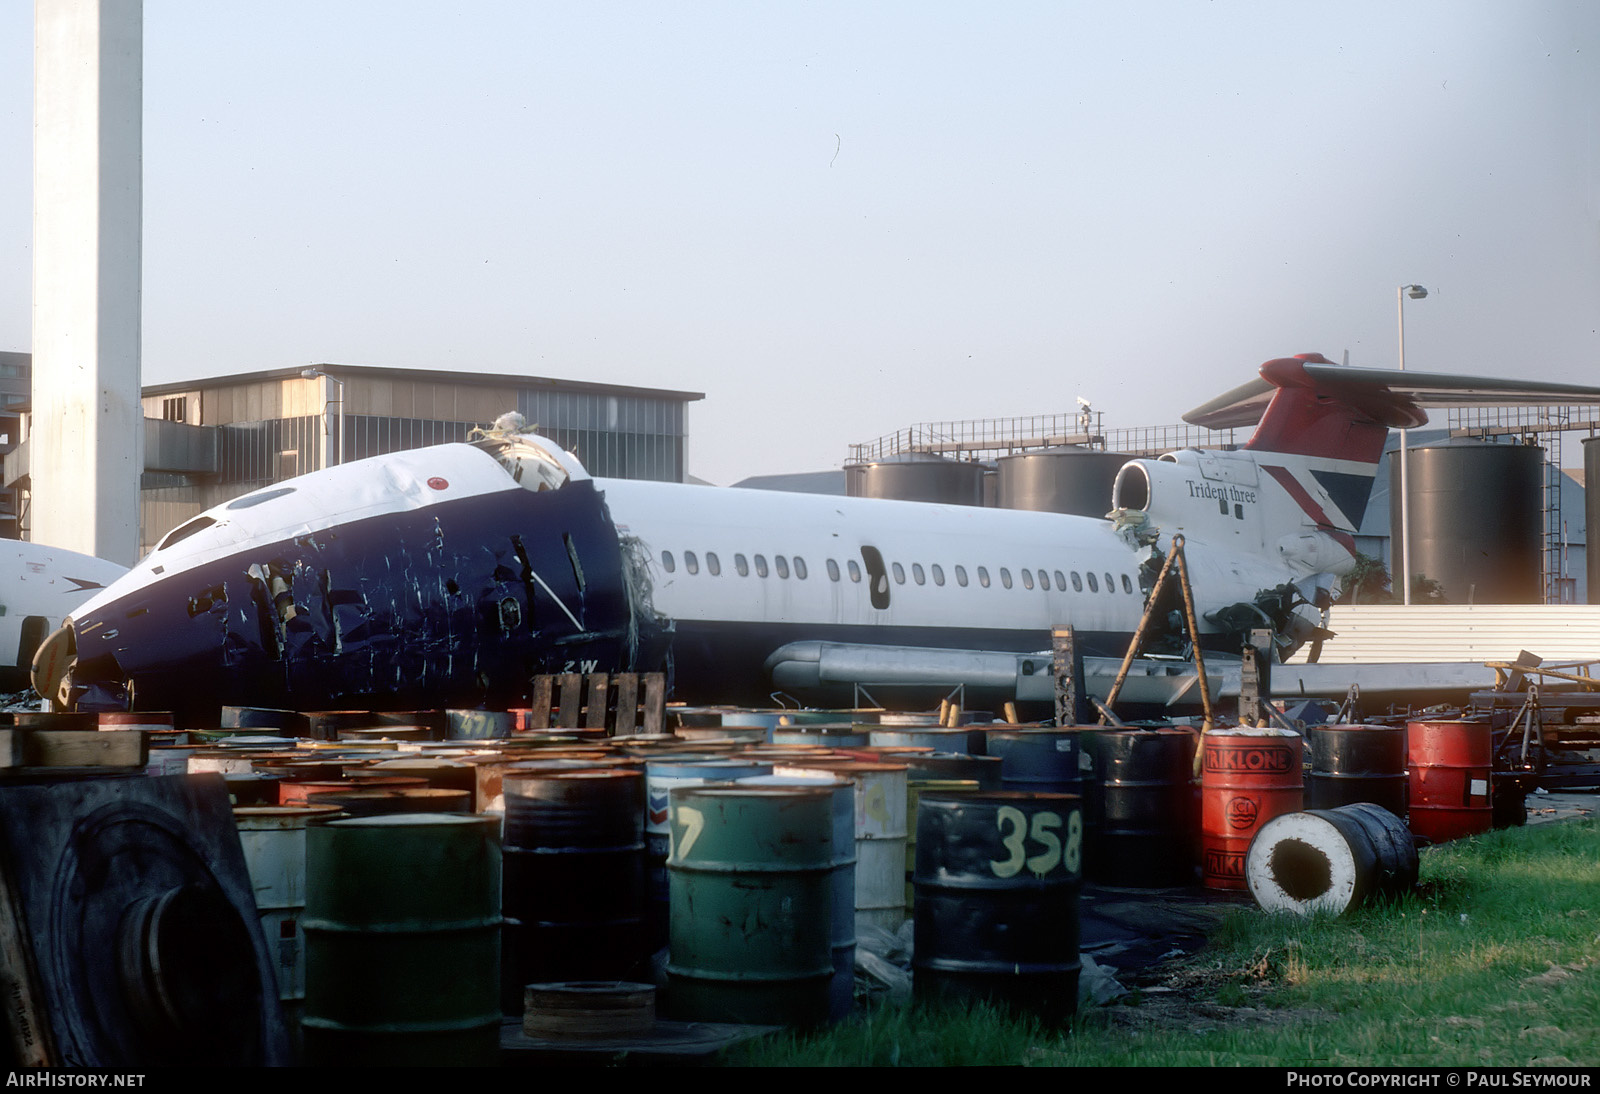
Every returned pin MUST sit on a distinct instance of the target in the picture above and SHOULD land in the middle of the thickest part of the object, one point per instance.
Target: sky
(840, 219)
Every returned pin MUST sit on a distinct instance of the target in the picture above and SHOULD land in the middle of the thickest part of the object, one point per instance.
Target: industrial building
(209, 441)
(16, 372)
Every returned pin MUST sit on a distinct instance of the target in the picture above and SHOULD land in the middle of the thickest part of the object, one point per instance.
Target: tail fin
(1307, 411)
(1322, 426)
(1309, 406)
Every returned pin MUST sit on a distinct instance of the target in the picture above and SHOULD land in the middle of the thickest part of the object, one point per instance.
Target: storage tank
(918, 476)
(1476, 521)
(1591, 521)
(1069, 479)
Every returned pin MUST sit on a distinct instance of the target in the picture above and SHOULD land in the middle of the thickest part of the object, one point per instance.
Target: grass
(1493, 961)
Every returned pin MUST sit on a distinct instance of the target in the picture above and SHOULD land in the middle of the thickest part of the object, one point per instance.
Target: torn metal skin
(444, 576)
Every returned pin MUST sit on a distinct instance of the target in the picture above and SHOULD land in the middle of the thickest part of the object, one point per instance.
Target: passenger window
(1005, 577)
(899, 574)
(855, 570)
(761, 565)
(1094, 586)
(691, 563)
(780, 564)
(917, 574)
(1111, 584)
(983, 577)
(713, 564)
(1127, 586)
(1044, 581)
(961, 576)
(938, 574)
(1061, 581)
(833, 570)
(741, 564)
(799, 568)
(666, 562)
(1077, 582)
(1027, 579)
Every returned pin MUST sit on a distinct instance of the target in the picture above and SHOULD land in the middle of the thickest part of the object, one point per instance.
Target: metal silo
(921, 477)
(1591, 519)
(855, 480)
(1059, 480)
(1476, 521)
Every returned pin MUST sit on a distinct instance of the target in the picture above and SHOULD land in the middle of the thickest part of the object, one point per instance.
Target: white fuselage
(947, 567)
(42, 586)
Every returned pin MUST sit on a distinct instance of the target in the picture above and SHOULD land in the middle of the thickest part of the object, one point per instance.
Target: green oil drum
(752, 871)
(402, 931)
(997, 878)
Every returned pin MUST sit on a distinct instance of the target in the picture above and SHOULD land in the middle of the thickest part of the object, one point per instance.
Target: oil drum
(575, 884)
(826, 734)
(1142, 818)
(997, 878)
(966, 741)
(402, 931)
(841, 990)
(1356, 763)
(661, 776)
(915, 788)
(1247, 777)
(953, 765)
(1331, 860)
(880, 818)
(273, 839)
(752, 870)
(1450, 783)
(1044, 760)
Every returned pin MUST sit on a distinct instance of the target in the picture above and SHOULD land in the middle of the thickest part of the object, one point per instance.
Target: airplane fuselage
(753, 570)
(435, 577)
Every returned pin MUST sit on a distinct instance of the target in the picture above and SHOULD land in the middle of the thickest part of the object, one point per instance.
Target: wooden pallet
(622, 704)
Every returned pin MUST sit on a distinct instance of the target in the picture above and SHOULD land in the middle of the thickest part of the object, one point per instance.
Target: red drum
(1449, 781)
(1248, 776)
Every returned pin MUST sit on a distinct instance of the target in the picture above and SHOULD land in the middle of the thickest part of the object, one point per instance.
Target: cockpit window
(529, 465)
(258, 497)
(184, 531)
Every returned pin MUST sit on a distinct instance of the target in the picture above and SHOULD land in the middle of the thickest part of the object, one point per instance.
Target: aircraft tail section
(1296, 492)
(1306, 411)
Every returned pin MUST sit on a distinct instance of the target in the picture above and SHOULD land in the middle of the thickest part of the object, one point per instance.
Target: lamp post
(314, 373)
(1415, 292)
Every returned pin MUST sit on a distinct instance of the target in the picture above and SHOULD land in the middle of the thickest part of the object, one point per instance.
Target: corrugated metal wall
(1461, 632)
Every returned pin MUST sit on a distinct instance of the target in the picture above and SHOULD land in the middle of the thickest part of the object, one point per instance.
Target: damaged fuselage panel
(443, 575)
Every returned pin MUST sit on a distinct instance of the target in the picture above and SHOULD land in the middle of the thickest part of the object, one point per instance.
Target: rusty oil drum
(1450, 783)
(1357, 763)
(752, 898)
(1142, 819)
(997, 878)
(1247, 777)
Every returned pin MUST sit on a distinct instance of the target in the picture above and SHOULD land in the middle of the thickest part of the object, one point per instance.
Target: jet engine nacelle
(1211, 497)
